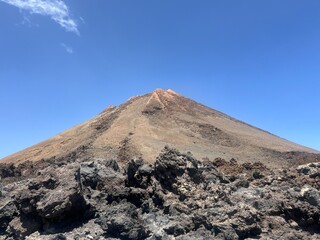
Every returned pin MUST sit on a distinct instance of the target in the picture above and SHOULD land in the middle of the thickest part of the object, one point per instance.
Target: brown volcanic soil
(142, 126)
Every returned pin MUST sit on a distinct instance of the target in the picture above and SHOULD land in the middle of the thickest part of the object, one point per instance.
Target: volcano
(143, 125)
(161, 166)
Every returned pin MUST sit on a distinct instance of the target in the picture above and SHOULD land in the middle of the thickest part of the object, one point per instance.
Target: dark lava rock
(177, 197)
(8, 211)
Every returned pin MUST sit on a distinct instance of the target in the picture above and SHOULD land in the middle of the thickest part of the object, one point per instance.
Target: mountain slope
(143, 125)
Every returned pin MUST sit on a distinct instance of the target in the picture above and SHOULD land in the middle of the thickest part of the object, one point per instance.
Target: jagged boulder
(8, 211)
(310, 169)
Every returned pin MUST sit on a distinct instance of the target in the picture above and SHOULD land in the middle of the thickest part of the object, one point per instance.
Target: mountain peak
(161, 91)
(143, 125)
(172, 92)
(161, 99)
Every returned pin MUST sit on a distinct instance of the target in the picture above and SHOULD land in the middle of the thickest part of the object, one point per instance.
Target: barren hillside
(143, 125)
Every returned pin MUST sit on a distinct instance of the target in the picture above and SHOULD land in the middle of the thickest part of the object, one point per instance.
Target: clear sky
(62, 62)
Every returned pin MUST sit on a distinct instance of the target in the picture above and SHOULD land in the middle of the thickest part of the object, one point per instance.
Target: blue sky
(62, 62)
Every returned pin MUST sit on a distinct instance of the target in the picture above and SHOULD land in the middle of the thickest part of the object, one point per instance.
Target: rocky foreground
(177, 197)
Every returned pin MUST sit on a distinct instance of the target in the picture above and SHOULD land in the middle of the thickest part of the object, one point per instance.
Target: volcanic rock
(176, 197)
